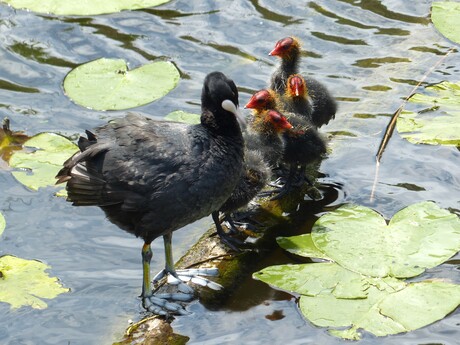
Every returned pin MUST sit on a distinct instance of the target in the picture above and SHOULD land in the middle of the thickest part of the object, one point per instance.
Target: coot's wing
(126, 162)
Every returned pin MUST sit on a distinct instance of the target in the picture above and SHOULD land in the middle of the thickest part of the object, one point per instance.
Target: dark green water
(370, 53)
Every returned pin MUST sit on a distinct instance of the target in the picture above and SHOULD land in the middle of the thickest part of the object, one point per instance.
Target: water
(369, 53)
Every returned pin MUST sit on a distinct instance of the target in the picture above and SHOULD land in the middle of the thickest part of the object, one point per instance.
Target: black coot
(322, 106)
(152, 178)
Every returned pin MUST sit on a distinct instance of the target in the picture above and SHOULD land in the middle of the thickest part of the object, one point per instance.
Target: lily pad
(383, 313)
(332, 296)
(301, 245)
(418, 237)
(40, 166)
(107, 84)
(441, 125)
(182, 116)
(25, 283)
(82, 7)
(2, 223)
(318, 279)
(446, 16)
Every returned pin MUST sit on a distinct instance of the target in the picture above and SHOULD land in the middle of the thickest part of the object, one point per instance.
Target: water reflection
(274, 16)
(377, 7)
(36, 52)
(127, 41)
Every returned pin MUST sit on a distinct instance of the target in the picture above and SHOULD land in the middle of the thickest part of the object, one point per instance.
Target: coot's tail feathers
(85, 183)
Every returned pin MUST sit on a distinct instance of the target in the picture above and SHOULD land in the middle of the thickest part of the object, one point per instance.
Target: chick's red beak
(274, 52)
(297, 85)
(286, 124)
(252, 103)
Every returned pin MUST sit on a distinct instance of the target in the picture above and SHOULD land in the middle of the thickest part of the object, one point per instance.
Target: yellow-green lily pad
(438, 126)
(25, 283)
(82, 7)
(107, 84)
(39, 167)
(446, 16)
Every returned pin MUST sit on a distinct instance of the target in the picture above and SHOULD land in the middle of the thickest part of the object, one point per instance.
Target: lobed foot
(161, 304)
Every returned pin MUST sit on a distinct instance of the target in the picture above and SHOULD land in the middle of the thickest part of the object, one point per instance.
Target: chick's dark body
(303, 144)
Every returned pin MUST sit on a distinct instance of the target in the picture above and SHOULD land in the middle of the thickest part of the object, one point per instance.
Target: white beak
(231, 107)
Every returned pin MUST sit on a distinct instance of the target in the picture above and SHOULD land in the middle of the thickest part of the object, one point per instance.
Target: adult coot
(152, 178)
(256, 174)
(322, 105)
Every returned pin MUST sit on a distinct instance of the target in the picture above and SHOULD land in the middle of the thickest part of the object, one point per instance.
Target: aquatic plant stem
(392, 124)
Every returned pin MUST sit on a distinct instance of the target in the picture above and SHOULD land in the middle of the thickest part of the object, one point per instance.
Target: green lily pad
(41, 165)
(25, 283)
(383, 313)
(441, 125)
(301, 245)
(82, 7)
(2, 223)
(107, 84)
(316, 279)
(446, 16)
(332, 296)
(418, 237)
(182, 116)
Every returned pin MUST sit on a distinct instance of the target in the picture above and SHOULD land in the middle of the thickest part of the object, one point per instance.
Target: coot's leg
(238, 227)
(287, 187)
(157, 304)
(233, 243)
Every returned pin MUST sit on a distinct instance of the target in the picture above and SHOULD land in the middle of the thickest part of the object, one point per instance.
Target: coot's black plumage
(322, 106)
(152, 178)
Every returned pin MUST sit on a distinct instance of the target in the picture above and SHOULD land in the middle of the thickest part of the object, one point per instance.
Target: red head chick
(296, 86)
(278, 120)
(261, 100)
(286, 48)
